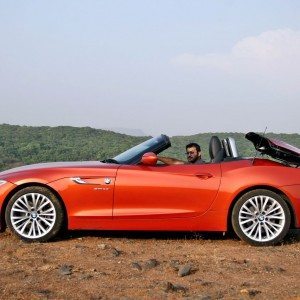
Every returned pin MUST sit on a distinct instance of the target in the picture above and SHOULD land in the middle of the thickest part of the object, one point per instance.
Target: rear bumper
(293, 193)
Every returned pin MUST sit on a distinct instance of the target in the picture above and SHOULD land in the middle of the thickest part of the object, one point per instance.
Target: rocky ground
(122, 265)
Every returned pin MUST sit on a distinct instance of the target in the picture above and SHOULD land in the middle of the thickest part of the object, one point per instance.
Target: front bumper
(5, 189)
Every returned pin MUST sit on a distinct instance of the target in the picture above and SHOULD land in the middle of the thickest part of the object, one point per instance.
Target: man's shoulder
(199, 161)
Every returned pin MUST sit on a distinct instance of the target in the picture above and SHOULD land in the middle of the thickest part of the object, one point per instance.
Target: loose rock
(103, 246)
(115, 252)
(65, 270)
(174, 264)
(205, 297)
(184, 270)
(170, 287)
(45, 268)
(281, 270)
(151, 263)
(251, 293)
(137, 266)
(44, 293)
(86, 276)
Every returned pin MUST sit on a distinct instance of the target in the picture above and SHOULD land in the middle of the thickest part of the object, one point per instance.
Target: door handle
(204, 176)
(78, 180)
(92, 180)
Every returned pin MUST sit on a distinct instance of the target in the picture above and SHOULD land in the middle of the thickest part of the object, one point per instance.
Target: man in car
(193, 152)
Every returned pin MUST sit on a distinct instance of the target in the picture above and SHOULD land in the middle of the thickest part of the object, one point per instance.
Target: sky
(178, 67)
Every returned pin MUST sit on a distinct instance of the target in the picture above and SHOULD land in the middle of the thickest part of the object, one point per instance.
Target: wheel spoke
(21, 204)
(271, 228)
(246, 221)
(41, 229)
(31, 231)
(42, 203)
(245, 208)
(247, 213)
(280, 217)
(273, 210)
(24, 225)
(251, 228)
(264, 204)
(258, 203)
(46, 221)
(48, 211)
(38, 228)
(254, 204)
(259, 231)
(19, 220)
(26, 202)
(270, 208)
(255, 230)
(46, 215)
(20, 210)
(274, 225)
(267, 230)
(35, 200)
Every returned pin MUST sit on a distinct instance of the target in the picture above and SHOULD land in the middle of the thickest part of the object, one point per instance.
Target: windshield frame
(133, 155)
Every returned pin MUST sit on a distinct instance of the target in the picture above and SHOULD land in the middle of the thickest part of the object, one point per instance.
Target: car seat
(216, 152)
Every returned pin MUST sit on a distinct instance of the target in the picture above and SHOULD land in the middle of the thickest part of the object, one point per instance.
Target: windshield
(133, 155)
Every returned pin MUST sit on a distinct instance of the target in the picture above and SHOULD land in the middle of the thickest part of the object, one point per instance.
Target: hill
(21, 145)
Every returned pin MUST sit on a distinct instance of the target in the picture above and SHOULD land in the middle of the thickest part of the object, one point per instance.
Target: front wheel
(34, 214)
(261, 218)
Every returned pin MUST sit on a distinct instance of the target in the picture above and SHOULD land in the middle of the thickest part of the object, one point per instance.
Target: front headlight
(2, 182)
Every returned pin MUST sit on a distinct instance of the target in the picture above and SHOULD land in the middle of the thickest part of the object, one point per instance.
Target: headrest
(216, 151)
(214, 146)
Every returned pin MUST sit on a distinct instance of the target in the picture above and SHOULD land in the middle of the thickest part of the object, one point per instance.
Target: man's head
(193, 152)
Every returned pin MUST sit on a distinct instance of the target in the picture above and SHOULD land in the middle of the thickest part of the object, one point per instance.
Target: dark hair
(198, 148)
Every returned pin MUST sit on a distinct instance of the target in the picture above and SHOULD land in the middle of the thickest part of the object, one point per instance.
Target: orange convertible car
(259, 198)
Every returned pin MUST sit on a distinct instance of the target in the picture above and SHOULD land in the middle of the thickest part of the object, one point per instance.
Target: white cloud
(270, 45)
(211, 60)
(271, 50)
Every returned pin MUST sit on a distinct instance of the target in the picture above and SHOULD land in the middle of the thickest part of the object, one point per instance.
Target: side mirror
(149, 159)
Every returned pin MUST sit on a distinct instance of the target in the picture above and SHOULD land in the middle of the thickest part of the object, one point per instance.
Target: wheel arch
(265, 187)
(22, 186)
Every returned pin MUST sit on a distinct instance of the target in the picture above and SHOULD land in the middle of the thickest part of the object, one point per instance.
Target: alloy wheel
(261, 218)
(33, 215)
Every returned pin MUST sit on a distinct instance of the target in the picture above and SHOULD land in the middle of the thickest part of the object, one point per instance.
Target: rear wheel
(34, 214)
(261, 218)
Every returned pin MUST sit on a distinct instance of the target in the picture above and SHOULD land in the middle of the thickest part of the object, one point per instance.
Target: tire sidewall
(57, 206)
(240, 202)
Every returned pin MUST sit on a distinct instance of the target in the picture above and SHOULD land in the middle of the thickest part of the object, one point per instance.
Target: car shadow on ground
(146, 235)
(292, 237)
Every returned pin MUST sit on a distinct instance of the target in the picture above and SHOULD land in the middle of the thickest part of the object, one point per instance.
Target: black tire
(261, 218)
(34, 214)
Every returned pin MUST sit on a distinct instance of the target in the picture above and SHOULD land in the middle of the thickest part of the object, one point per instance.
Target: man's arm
(170, 160)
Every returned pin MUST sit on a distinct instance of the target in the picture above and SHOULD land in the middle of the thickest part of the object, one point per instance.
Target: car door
(88, 195)
(165, 192)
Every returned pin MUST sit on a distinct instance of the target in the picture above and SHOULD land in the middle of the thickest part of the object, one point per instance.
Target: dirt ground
(123, 265)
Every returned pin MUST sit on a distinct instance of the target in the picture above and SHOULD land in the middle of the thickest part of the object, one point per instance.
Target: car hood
(46, 172)
(52, 165)
(275, 148)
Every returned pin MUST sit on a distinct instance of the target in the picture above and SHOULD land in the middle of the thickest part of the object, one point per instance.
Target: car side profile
(257, 198)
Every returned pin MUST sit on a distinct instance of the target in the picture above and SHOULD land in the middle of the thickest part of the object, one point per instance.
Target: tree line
(21, 145)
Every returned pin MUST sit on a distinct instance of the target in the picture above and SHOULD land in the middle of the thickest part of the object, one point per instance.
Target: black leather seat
(216, 152)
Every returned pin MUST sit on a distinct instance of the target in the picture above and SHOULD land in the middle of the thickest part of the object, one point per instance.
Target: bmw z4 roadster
(257, 198)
